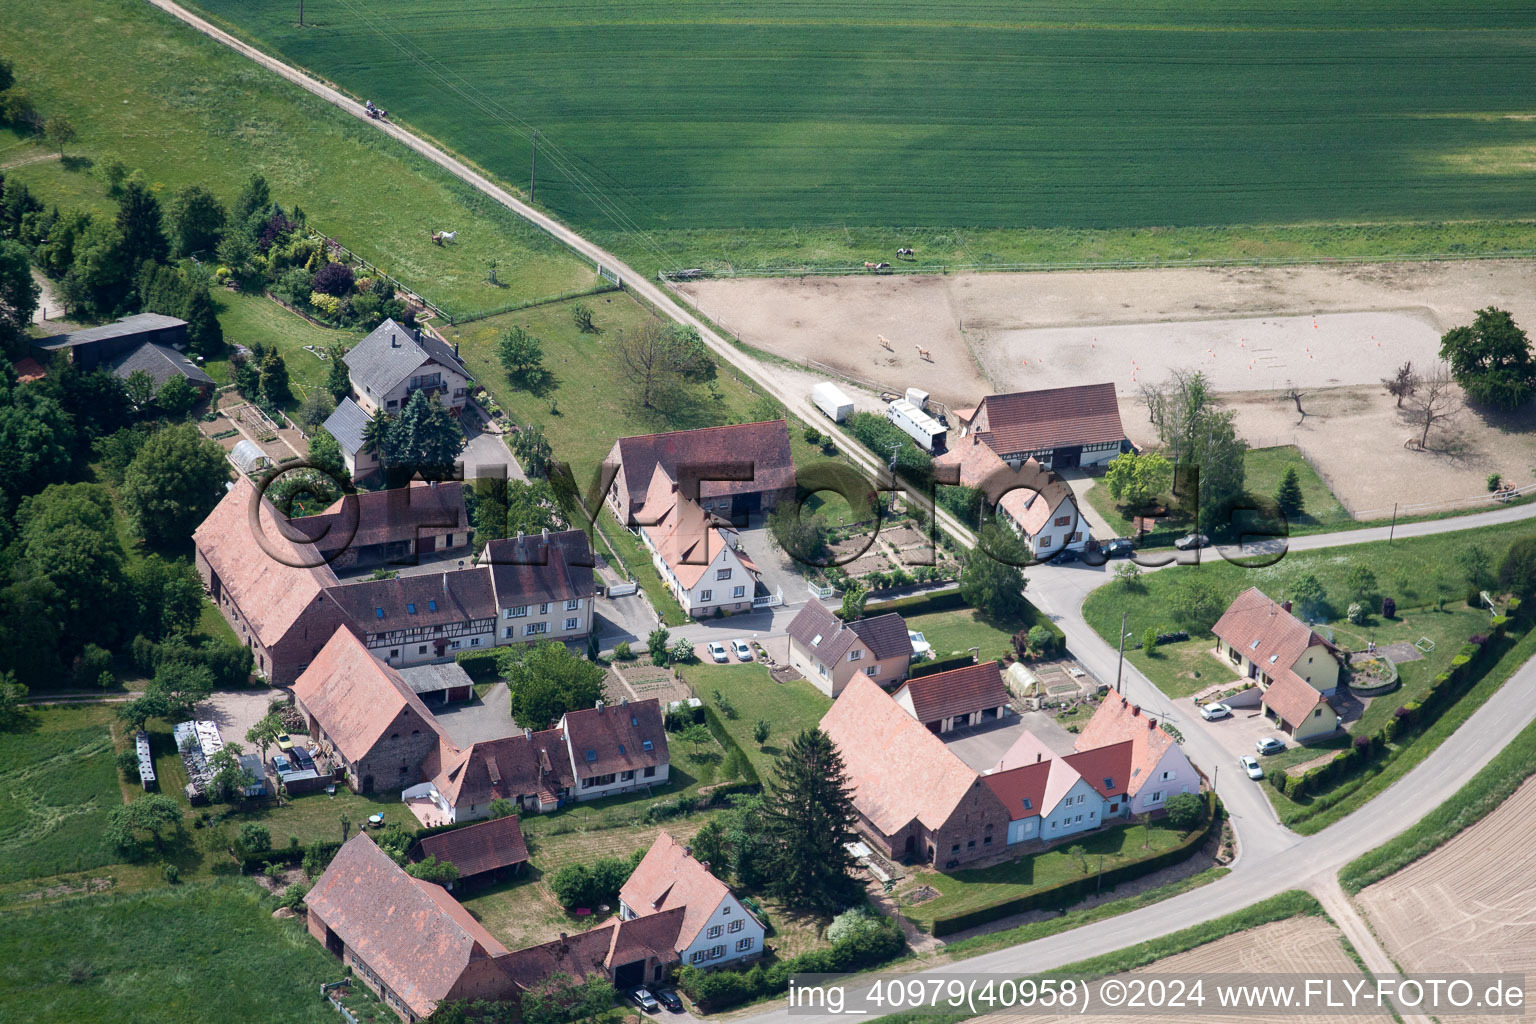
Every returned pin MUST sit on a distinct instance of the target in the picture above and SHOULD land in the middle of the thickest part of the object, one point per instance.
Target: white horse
(444, 236)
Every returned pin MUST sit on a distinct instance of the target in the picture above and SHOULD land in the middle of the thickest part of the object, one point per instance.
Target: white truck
(829, 398)
(928, 432)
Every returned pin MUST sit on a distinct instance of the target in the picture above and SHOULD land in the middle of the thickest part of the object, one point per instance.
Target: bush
(1149, 640)
(850, 923)
(172, 873)
(335, 279)
(1184, 811)
(1356, 613)
(128, 764)
(293, 896)
(328, 305)
(592, 883)
(255, 838)
(621, 651)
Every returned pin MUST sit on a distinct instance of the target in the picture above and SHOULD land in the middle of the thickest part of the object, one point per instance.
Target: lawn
(255, 319)
(58, 783)
(816, 124)
(142, 88)
(172, 955)
(955, 632)
(789, 708)
(963, 891)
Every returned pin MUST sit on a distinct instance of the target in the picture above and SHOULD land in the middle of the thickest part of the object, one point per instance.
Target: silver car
(1192, 541)
(717, 652)
(1269, 745)
(743, 652)
(1251, 766)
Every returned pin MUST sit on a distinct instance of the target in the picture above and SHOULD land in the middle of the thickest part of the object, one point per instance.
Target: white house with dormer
(717, 929)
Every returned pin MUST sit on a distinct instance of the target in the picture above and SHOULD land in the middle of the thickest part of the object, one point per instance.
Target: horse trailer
(928, 432)
(829, 398)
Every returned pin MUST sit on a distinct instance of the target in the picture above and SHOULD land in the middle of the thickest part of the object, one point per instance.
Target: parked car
(1065, 556)
(1269, 745)
(1120, 547)
(1215, 712)
(280, 762)
(717, 652)
(284, 742)
(743, 652)
(1192, 541)
(644, 1000)
(1251, 766)
(668, 997)
(302, 758)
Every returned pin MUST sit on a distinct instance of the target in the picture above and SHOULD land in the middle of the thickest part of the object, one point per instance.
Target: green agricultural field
(695, 132)
(146, 90)
(57, 786)
(173, 955)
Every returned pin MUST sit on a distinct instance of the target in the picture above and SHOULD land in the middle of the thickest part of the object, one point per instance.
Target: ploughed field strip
(701, 114)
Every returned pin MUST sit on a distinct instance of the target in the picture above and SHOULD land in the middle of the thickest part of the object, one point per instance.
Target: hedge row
(928, 668)
(720, 989)
(1466, 668)
(919, 604)
(1067, 893)
(728, 744)
(478, 665)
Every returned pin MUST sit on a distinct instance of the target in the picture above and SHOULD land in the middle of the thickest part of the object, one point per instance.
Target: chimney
(704, 864)
(624, 702)
(545, 532)
(1285, 606)
(599, 704)
(1038, 757)
(1151, 724)
(527, 733)
(1135, 710)
(687, 851)
(445, 583)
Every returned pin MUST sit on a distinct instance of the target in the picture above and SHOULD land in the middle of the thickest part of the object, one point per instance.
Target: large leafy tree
(254, 199)
(520, 353)
(141, 224)
(1136, 479)
(155, 814)
(173, 483)
(659, 358)
(326, 455)
(18, 292)
(1196, 431)
(36, 435)
(1492, 360)
(168, 595)
(196, 221)
(533, 449)
(425, 438)
(68, 538)
(809, 819)
(991, 580)
(547, 680)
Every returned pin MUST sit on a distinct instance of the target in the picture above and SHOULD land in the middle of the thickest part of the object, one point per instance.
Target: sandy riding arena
(1301, 945)
(1468, 906)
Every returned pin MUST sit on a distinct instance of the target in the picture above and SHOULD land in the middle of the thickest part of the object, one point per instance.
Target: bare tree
(659, 357)
(1434, 399)
(1296, 396)
(1404, 383)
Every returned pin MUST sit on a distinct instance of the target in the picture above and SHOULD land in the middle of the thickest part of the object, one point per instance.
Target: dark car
(643, 999)
(301, 755)
(1065, 556)
(668, 997)
(1120, 547)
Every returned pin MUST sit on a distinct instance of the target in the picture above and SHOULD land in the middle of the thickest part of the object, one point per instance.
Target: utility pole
(533, 174)
(301, 13)
(1393, 528)
(1120, 666)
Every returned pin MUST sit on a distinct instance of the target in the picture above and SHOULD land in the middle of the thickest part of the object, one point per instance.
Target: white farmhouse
(716, 928)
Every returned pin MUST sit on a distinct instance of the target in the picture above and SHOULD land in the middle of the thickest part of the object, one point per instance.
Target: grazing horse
(885, 344)
(904, 252)
(868, 265)
(444, 236)
(922, 353)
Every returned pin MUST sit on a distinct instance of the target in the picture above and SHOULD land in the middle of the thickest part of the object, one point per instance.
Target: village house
(163, 364)
(393, 362)
(1158, 768)
(697, 554)
(1062, 800)
(391, 527)
(943, 701)
(487, 850)
(616, 748)
(1060, 428)
(1294, 667)
(365, 715)
(716, 929)
(413, 620)
(348, 425)
(407, 939)
(532, 770)
(640, 951)
(543, 584)
(733, 471)
(830, 652)
(916, 800)
(1036, 503)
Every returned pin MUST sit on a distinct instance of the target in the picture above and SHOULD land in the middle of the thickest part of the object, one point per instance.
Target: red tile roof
(381, 517)
(355, 697)
(1028, 421)
(1106, 769)
(960, 691)
(668, 877)
(414, 602)
(687, 538)
(1021, 789)
(614, 738)
(599, 950)
(511, 767)
(421, 943)
(273, 580)
(1116, 720)
(1292, 698)
(898, 769)
(1274, 639)
(473, 849)
(763, 446)
(1035, 494)
(540, 568)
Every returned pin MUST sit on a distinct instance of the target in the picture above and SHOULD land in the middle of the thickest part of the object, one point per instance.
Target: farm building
(442, 683)
(394, 526)
(162, 363)
(733, 471)
(100, 346)
(1060, 428)
(943, 701)
(1035, 502)
(489, 849)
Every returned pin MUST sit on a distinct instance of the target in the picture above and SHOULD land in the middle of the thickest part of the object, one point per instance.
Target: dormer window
(648, 745)
(1253, 646)
(633, 720)
(591, 756)
(410, 609)
(378, 613)
(621, 748)
(1028, 804)
(432, 606)
(1109, 782)
(815, 640)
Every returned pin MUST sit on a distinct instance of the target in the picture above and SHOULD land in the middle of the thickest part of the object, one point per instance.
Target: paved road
(1272, 858)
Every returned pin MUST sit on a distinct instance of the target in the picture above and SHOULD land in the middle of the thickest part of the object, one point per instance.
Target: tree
(1308, 596)
(1136, 480)
(18, 291)
(154, 813)
(1517, 573)
(441, 872)
(254, 198)
(809, 820)
(1476, 566)
(532, 449)
(681, 653)
(196, 220)
(1360, 583)
(1288, 494)
(275, 386)
(547, 680)
(1196, 431)
(325, 454)
(176, 397)
(168, 595)
(265, 732)
(581, 315)
(178, 687)
(68, 540)
(559, 999)
(801, 537)
(1492, 360)
(1149, 641)
(173, 483)
(520, 353)
(1129, 574)
(205, 336)
(376, 435)
(60, 131)
(709, 847)
(1185, 811)
(334, 279)
(140, 386)
(426, 438)
(659, 358)
(13, 708)
(253, 837)
(1434, 400)
(1194, 604)
(990, 578)
(337, 380)
(854, 597)
(315, 409)
(1401, 384)
(656, 644)
(141, 224)
(761, 731)
(501, 807)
